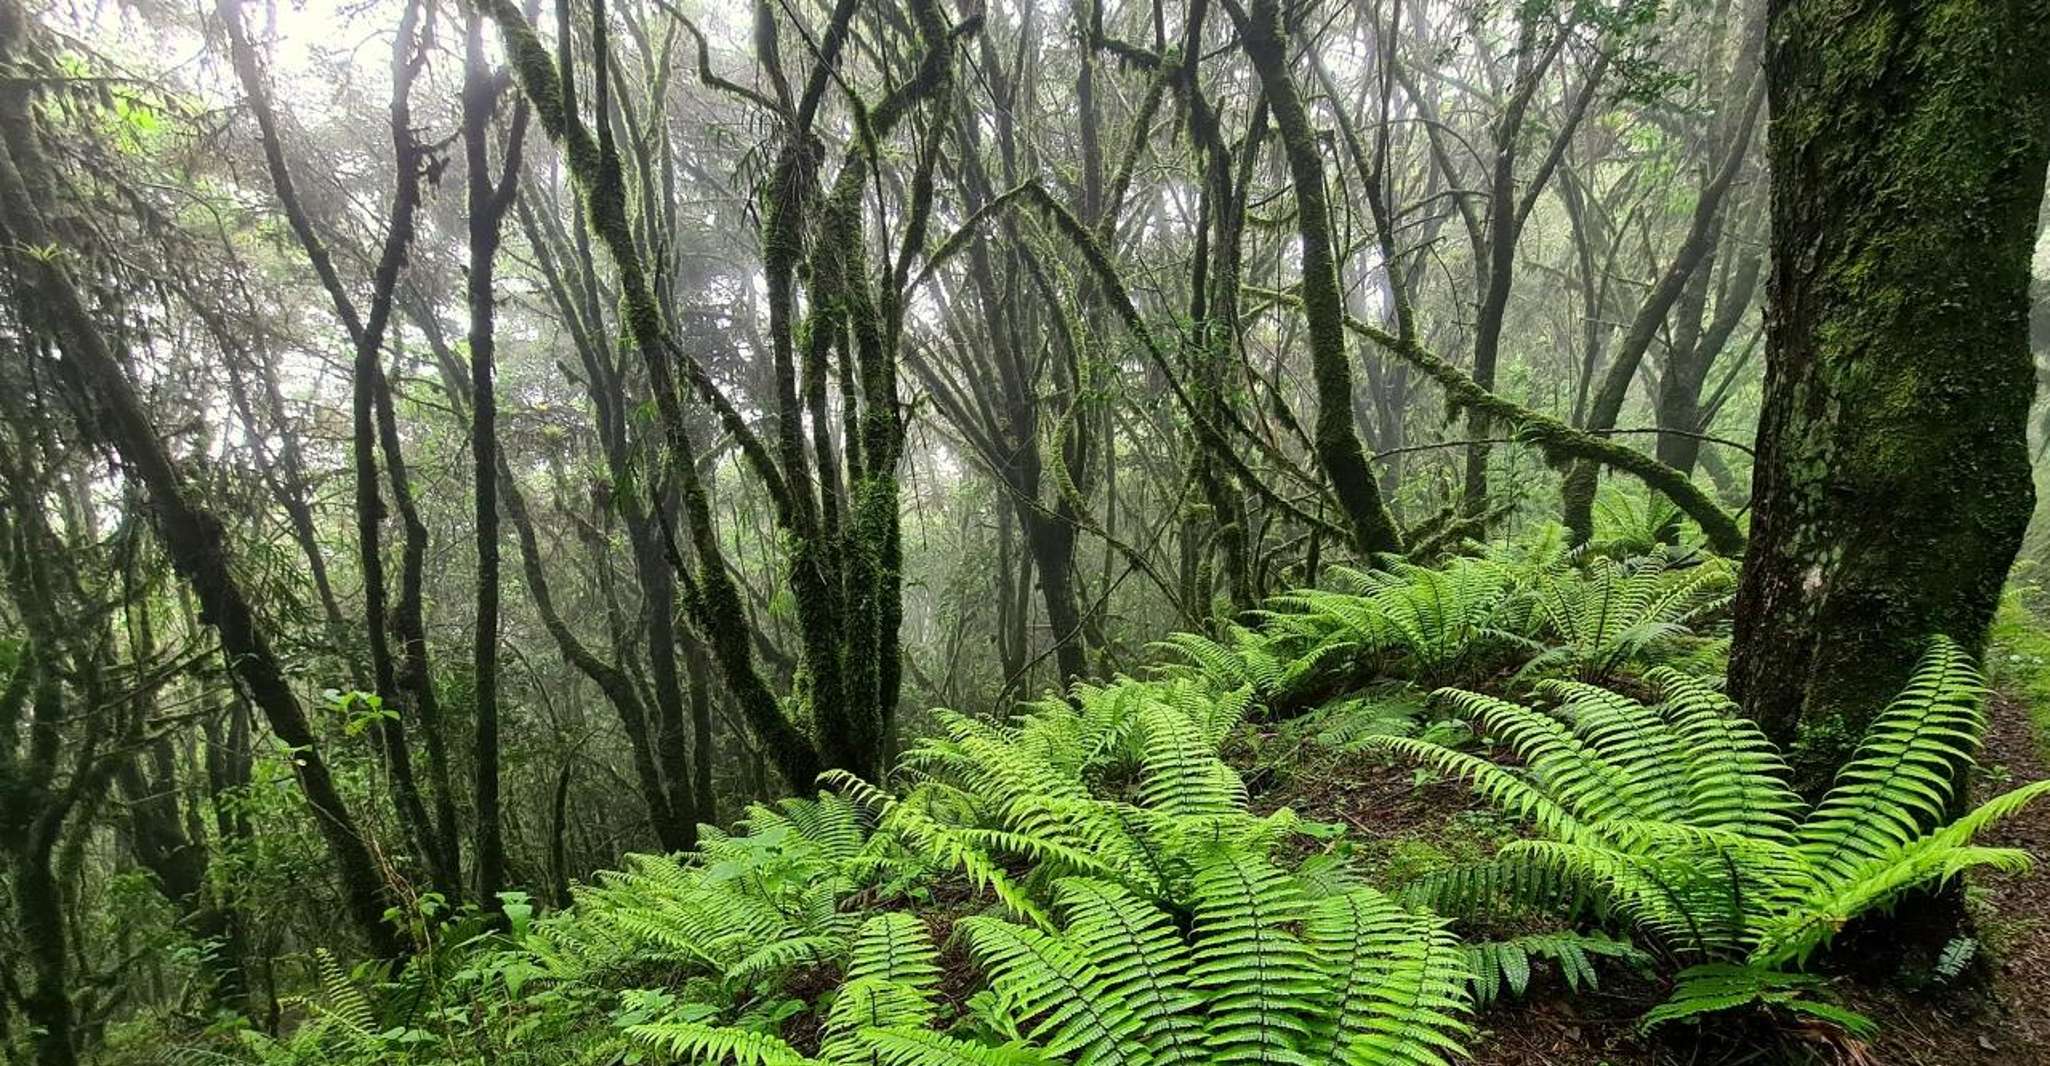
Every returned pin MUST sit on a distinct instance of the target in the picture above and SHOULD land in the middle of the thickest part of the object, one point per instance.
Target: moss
(1560, 442)
(714, 601)
(2018, 658)
(1908, 146)
(1337, 442)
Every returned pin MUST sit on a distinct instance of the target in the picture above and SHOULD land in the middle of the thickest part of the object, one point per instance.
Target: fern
(1253, 971)
(1422, 623)
(700, 1043)
(1610, 615)
(345, 1002)
(1678, 820)
(1505, 966)
(1955, 958)
(1401, 982)
(920, 1047)
(1713, 988)
(1143, 959)
(1629, 523)
(1131, 910)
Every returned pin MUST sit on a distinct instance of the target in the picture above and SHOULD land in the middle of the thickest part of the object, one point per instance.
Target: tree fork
(1561, 443)
(714, 601)
(192, 536)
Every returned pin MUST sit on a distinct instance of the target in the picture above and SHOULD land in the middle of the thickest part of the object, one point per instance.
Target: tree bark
(1582, 479)
(374, 420)
(1909, 144)
(488, 200)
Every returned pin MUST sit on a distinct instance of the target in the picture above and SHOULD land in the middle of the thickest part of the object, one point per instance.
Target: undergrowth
(1084, 881)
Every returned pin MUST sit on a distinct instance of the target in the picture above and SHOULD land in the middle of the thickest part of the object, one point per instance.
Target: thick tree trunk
(1052, 542)
(1909, 143)
(39, 910)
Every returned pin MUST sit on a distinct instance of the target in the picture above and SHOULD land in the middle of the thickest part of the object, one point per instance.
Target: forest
(1024, 532)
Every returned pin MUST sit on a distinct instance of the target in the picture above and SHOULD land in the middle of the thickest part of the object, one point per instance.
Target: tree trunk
(1702, 233)
(1052, 543)
(675, 823)
(1909, 144)
(488, 201)
(179, 862)
(1338, 448)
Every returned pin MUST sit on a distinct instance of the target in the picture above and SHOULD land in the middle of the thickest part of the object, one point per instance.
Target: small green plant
(1504, 967)
(1424, 623)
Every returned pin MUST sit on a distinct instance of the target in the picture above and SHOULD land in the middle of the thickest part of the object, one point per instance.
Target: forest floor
(1999, 1015)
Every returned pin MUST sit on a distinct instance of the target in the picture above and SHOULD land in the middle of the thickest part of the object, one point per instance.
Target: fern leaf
(1400, 983)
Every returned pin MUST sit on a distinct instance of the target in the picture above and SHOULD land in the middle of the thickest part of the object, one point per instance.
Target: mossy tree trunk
(192, 536)
(1909, 143)
(1338, 449)
(844, 552)
(488, 200)
(374, 426)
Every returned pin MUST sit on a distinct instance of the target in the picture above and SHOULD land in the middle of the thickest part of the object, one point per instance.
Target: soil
(1999, 1015)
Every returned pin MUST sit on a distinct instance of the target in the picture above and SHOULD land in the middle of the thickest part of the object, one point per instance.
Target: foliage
(1146, 916)
(1586, 616)
(1676, 820)
(1143, 915)
(1425, 623)
(1613, 614)
(1630, 524)
(1502, 967)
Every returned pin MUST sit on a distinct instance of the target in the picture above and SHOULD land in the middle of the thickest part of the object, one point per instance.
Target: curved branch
(1559, 441)
(1207, 433)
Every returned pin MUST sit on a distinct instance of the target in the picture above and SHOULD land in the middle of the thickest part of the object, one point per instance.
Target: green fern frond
(1500, 966)
(1181, 773)
(1495, 784)
(1142, 958)
(923, 1047)
(1580, 777)
(1400, 983)
(1256, 974)
(345, 1001)
(1735, 777)
(864, 1003)
(895, 946)
(1716, 987)
(781, 955)
(695, 1042)
(1056, 996)
(1900, 782)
